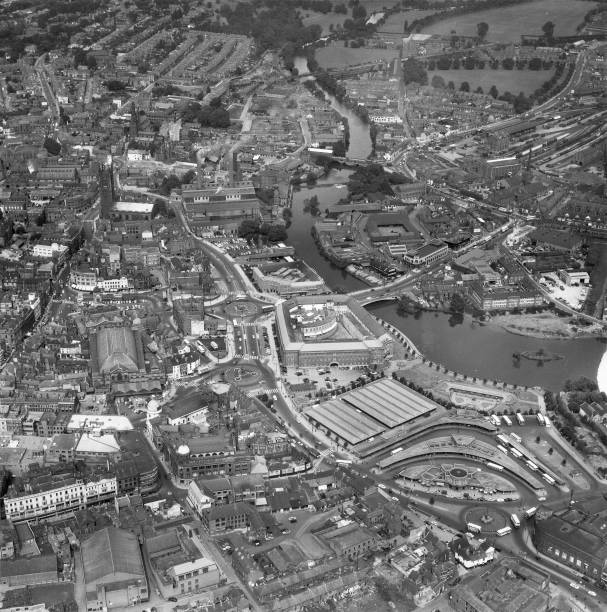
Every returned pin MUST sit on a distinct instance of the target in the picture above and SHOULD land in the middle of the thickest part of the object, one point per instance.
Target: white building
(137, 155)
(427, 254)
(68, 495)
(113, 284)
(197, 499)
(48, 251)
(574, 277)
(99, 423)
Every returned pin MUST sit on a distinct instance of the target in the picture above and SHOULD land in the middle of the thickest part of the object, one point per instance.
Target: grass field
(506, 24)
(313, 18)
(336, 56)
(513, 81)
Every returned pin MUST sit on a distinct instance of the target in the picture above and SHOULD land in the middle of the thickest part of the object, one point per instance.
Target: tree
(52, 146)
(535, 63)
(414, 72)
(550, 451)
(115, 85)
(507, 63)
(479, 90)
(481, 29)
(493, 92)
(359, 13)
(548, 30)
(438, 82)
(465, 86)
(451, 85)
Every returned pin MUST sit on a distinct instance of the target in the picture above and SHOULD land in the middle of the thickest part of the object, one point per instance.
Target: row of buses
(507, 447)
(497, 420)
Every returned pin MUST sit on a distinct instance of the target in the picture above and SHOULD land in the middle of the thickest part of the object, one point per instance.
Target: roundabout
(488, 519)
(242, 376)
(242, 308)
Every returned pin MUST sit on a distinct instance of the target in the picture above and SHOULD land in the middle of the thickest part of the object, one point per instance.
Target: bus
(504, 531)
(507, 421)
(503, 449)
(516, 438)
(515, 520)
(531, 465)
(547, 422)
(540, 419)
(473, 527)
(343, 462)
(496, 420)
(516, 453)
(548, 479)
(520, 418)
(503, 439)
(530, 512)
(495, 466)
(396, 450)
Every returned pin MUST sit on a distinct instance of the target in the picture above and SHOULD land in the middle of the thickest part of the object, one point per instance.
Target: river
(329, 190)
(484, 351)
(360, 139)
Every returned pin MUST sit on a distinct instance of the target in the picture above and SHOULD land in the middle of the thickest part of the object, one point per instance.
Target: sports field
(506, 24)
(337, 56)
(513, 81)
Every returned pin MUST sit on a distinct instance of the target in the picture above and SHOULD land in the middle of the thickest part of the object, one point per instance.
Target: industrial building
(114, 575)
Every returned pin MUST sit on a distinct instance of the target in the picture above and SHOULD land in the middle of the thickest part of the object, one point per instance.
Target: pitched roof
(116, 349)
(110, 552)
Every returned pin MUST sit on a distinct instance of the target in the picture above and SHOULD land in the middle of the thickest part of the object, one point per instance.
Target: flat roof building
(316, 331)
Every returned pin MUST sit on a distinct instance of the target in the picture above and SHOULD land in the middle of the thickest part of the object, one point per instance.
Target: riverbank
(545, 325)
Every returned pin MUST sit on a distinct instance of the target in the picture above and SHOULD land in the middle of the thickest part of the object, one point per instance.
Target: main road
(229, 270)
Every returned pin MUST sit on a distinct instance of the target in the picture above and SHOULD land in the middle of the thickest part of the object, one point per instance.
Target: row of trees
(447, 62)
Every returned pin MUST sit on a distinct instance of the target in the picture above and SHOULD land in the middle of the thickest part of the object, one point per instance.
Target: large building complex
(288, 278)
(220, 207)
(575, 537)
(56, 495)
(336, 330)
(366, 412)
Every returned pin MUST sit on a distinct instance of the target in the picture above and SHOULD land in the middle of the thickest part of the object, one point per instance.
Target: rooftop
(350, 425)
(112, 553)
(389, 402)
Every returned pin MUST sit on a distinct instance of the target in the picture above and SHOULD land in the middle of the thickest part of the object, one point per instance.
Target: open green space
(506, 24)
(513, 81)
(324, 21)
(338, 56)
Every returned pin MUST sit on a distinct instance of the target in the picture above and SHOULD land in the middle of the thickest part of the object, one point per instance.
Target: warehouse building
(114, 575)
(366, 412)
